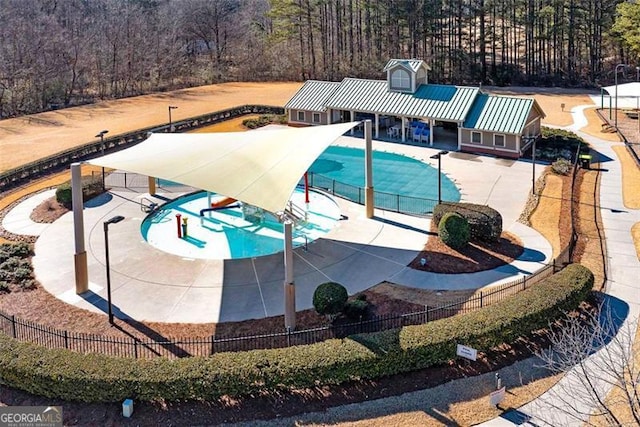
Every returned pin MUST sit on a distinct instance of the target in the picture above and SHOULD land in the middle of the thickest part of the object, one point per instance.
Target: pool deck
(151, 285)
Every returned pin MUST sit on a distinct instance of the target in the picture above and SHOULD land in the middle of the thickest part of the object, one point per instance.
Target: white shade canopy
(261, 168)
(624, 89)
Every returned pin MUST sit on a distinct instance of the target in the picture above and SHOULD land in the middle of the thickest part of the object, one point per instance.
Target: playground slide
(223, 202)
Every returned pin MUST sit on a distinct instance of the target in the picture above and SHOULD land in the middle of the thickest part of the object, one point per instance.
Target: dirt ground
(595, 128)
(29, 138)
(630, 178)
(550, 100)
(546, 218)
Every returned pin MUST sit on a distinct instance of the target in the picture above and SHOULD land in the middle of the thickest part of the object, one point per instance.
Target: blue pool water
(226, 234)
(392, 173)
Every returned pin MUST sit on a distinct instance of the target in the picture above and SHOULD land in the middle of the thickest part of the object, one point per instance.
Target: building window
(400, 80)
(498, 140)
(316, 117)
(301, 116)
(476, 138)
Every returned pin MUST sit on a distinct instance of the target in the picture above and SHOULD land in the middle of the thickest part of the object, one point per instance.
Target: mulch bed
(476, 256)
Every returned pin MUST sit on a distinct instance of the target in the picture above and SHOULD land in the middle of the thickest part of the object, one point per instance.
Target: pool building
(406, 107)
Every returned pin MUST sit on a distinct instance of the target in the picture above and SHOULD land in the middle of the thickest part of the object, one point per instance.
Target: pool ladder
(149, 206)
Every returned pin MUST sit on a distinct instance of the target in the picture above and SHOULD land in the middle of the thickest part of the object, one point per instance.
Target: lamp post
(439, 157)
(114, 220)
(101, 136)
(616, 80)
(171, 107)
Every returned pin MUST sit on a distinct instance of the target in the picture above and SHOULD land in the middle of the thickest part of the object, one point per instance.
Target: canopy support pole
(80, 256)
(152, 186)
(289, 286)
(369, 194)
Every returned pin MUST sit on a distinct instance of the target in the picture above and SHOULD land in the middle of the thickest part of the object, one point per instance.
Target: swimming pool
(226, 234)
(394, 174)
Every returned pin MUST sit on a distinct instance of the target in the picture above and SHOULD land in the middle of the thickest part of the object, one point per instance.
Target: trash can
(585, 161)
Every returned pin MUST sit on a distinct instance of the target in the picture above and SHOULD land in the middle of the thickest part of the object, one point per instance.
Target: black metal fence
(135, 347)
(381, 200)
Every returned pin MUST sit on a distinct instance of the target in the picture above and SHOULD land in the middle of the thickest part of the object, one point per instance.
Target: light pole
(101, 136)
(114, 220)
(616, 80)
(439, 157)
(533, 162)
(171, 107)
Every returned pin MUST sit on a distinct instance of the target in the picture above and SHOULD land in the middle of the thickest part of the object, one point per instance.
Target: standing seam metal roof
(312, 96)
(413, 64)
(500, 114)
(438, 102)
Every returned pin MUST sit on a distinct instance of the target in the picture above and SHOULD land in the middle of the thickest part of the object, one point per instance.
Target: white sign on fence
(467, 352)
(497, 396)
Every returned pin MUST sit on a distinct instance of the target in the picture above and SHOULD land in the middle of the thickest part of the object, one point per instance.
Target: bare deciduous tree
(602, 381)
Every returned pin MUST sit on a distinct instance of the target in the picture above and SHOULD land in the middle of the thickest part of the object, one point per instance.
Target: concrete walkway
(17, 220)
(151, 285)
(569, 402)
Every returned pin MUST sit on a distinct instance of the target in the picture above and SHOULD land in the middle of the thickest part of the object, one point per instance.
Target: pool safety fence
(140, 341)
(381, 200)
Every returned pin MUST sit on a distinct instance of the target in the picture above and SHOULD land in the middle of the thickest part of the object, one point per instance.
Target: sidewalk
(554, 408)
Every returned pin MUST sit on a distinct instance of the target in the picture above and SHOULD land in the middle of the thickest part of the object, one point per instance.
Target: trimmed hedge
(485, 223)
(453, 230)
(98, 378)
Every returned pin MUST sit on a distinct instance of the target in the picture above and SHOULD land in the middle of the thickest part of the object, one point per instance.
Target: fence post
(213, 348)
(524, 283)
(397, 203)
(13, 326)
(66, 339)
(426, 311)
(125, 180)
(288, 336)
(135, 348)
(481, 302)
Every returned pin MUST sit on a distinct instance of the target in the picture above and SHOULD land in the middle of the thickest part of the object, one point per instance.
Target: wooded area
(56, 53)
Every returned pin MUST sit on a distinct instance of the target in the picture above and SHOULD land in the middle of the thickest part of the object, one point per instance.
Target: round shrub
(63, 194)
(329, 298)
(561, 167)
(453, 230)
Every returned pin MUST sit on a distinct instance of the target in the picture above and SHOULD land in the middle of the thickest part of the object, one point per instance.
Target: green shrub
(63, 194)
(21, 273)
(91, 187)
(329, 298)
(453, 230)
(4, 287)
(62, 374)
(20, 249)
(561, 166)
(559, 143)
(485, 223)
(356, 309)
(264, 120)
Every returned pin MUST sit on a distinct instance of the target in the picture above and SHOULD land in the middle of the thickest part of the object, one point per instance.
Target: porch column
(80, 256)
(403, 130)
(289, 286)
(368, 156)
(353, 119)
(459, 137)
(329, 113)
(431, 131)
(377, 124)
